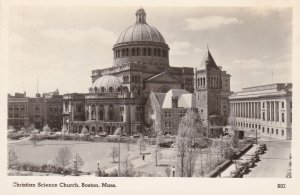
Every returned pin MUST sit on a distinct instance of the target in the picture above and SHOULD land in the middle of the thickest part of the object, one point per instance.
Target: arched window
(108, 129)
(138, 79)
(102, 89)
(110, 89)
(137, 51)
(144, 51)
(149, 51)
(135, 78)
(154, 52)
(126, 53)
(80, 129)
(118, 89)
(100, 129)
(158, 52)
(95, 89)
(133, 52)
(204, 81)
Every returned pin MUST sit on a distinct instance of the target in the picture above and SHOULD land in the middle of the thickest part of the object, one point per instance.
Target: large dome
(106, 83)
(140, 31)
(141, 44)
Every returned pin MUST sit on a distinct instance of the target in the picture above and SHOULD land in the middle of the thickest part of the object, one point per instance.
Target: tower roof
(208, 61)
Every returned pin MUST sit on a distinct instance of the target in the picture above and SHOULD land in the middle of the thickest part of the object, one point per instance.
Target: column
(72, 112)
(90, 112)
(97, 112)
(105, 112)
(250, 111)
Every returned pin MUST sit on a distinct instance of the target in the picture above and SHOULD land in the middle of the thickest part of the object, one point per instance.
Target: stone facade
(164, 111)
(265, 109)
(38, 111)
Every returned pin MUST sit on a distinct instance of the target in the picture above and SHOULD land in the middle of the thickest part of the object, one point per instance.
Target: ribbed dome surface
(140, 31)
(106, 82)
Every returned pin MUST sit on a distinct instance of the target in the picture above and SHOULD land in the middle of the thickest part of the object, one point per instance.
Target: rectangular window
(16, 107)
(282, 104)
(258, 126)
(282, 132)
(22, 107)
(268, 130)
(37, 108)
(282, 117)
(10, 108)
(263, 129)
(276, 131)
(181, 113)
(263, 105)
(264, 116)
(272, 131)
(291, 104)
(168, 124)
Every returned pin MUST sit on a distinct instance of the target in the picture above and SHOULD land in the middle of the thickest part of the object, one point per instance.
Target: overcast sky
(60, 46)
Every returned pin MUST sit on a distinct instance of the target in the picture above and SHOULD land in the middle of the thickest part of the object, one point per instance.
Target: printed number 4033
(280, 185)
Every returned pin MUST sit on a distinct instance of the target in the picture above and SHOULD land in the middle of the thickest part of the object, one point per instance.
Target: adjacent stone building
(164, 111)
(43, 110)
(212, 89)
(265, 109)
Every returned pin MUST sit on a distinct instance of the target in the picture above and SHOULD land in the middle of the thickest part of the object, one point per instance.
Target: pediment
(163, 77)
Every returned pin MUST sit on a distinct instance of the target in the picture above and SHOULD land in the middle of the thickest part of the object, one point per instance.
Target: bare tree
(64, 156)
(114, 152)
(128, 168)
(189, 129)
(157, 153)
(12, 156)
(78, 159)
(142, 144)
(34, 139)
(46, 130)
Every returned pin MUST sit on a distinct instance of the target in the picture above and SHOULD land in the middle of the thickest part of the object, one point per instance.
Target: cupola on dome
(106, 84)
(140, 31)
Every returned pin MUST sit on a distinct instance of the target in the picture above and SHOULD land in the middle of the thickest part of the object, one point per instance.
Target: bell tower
(208, 87)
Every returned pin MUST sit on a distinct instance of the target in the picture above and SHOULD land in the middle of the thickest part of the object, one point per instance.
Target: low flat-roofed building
(266, 109)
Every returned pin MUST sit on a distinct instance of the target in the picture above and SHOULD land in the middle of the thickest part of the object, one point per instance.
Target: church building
(117, 96)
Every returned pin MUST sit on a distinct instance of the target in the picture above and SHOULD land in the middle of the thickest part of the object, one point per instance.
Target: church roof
(164, 73)
(208, 61)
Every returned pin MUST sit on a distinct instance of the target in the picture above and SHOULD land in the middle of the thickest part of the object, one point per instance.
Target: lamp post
(173, 171)
(119, 157)
(75, 172)
(118, 133)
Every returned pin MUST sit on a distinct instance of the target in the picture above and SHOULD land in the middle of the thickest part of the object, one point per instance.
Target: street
(275, 161)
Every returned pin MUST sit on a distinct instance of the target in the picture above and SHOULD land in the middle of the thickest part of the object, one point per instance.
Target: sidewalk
(136, 162)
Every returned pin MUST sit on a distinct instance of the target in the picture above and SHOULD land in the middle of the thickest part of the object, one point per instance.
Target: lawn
(90, 152)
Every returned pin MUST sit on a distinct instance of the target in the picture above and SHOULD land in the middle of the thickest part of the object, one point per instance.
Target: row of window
(132, 78)
(22, 107)
(169, 114)
(271, 118)
(125, 52)
(272, 131)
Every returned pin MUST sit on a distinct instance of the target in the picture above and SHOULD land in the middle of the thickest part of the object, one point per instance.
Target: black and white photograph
(141, 91)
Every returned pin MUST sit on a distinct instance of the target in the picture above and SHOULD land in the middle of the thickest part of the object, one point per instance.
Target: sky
(58, 47)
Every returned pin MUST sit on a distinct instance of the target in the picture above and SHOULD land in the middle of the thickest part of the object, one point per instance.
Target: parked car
(236, 173)
(103, 134)
(136, 135)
